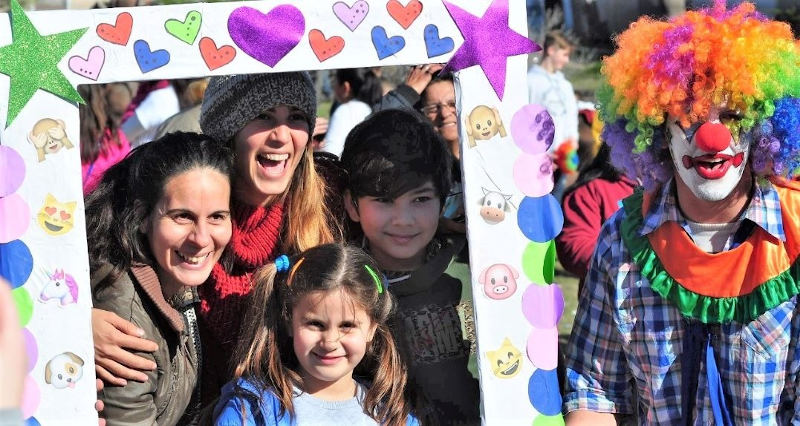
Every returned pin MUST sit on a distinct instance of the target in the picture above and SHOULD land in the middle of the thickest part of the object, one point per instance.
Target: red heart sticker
(64, 215)
(322, 47)
(50, 210)
(404, 15)
(213, 57)
(120, 32)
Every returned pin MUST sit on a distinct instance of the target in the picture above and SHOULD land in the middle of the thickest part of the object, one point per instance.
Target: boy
(548, 87)
(399, 176)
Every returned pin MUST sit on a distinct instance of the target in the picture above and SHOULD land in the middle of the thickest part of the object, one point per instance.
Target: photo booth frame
(507, 173)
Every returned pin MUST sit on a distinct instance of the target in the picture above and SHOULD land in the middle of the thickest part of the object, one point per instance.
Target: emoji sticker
(64, 370)
(506, 361)
(55, 217)
(483, 123)
(494, 206)
(48, 136)
(61, 287)
(499, 281)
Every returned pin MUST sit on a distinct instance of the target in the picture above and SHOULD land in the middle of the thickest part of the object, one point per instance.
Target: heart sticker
(434, 45)
(384, 45)
(322, 47)
(267, 37)
(120, 32)
(351, 17)
(149, 60)
(91, 66)
(214, 57)
(404, 15)
(186, 30)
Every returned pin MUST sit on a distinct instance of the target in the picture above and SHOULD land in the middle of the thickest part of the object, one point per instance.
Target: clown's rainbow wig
(695, 61)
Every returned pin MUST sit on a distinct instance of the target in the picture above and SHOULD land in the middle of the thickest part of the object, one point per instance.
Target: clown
(688, 313)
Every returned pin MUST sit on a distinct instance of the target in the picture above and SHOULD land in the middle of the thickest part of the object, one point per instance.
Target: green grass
(569, 287)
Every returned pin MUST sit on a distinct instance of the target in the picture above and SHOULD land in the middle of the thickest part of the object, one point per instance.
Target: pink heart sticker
(91, 66)
(351, 16)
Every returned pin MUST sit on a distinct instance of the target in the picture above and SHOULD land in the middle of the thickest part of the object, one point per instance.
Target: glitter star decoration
(31, 61)
(488, 41)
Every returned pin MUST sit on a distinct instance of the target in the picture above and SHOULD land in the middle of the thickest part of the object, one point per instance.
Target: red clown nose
(712, 137)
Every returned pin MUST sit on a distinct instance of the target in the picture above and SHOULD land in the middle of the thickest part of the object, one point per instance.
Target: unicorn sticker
(62, 287)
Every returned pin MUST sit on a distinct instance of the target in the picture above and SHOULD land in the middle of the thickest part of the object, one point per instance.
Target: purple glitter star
(488, 41)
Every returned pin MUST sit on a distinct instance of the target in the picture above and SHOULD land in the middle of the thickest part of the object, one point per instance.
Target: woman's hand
(114, 338)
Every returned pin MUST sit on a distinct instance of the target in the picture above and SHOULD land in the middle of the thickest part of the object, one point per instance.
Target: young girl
(313, 320)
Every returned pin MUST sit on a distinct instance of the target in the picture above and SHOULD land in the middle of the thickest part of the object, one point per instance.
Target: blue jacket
(231, 405)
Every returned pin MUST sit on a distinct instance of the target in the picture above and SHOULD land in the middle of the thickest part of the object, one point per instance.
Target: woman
(279, 206)
(356, 91)
(157, 224)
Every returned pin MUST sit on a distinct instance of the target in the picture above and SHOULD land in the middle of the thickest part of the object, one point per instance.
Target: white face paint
(710, 165)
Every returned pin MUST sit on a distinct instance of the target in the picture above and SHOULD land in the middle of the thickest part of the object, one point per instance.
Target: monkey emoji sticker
(55, 217)
(483, 123)
(48, 136)
(506, 361)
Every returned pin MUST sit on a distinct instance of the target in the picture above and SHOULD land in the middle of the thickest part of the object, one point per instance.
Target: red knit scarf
(255, 236)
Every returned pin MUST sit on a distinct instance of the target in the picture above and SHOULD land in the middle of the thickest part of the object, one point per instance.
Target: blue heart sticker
(386, 46)
(433, 44)
(147, 59)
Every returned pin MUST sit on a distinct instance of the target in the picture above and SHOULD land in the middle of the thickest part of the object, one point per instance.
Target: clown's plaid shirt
(624, 355)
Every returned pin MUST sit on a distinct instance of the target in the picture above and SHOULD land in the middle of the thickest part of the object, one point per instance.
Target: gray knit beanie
(232, 101)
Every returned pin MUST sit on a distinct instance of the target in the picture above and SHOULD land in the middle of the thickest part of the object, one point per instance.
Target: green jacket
(168, 393)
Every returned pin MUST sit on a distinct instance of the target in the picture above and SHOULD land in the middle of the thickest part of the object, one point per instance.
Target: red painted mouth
(713, 166)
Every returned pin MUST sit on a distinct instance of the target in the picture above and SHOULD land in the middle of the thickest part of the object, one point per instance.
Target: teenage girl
(315, 347)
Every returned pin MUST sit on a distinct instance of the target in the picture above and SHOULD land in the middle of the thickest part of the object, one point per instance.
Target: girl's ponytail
(386, 398)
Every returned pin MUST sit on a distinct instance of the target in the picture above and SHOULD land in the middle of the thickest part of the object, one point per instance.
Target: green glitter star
(31, 61)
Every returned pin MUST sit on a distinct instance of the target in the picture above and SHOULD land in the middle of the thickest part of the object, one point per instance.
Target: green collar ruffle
(707, 309)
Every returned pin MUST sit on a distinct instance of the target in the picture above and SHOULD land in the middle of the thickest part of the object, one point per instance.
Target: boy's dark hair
(392, 152)
(558, 39)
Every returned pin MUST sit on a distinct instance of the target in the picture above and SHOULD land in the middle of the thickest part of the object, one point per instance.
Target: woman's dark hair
(130, 190)
(364, 84)
(265, 353)
(599, 168)
(101, 117)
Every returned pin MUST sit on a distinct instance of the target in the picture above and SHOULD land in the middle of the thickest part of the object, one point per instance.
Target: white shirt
(555, 94)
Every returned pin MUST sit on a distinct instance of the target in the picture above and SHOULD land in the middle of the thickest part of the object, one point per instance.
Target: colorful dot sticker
(542, 347)
(15, 217)
(542, 420)
(540, 219)
(544, 393)
(543, 305)
(538, 262)
(22, 299)
(532, 129)
(16, 262)
(533, 174)
(31, 348)
(31, 397)
(12, 170)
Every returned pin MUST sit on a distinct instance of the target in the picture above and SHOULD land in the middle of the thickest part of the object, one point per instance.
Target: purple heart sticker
(267, 37)
(351, 16)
